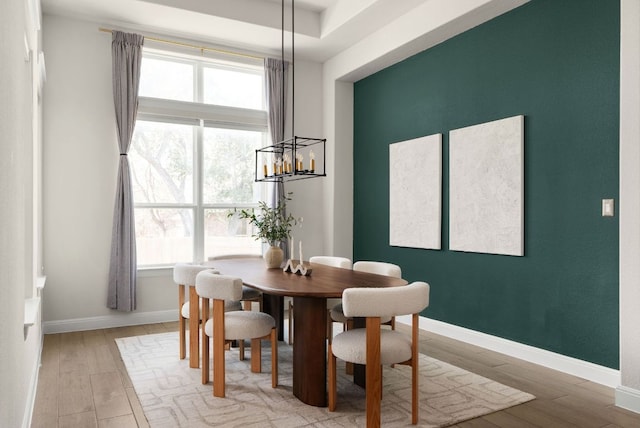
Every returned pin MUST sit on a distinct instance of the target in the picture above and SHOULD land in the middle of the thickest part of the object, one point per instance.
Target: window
(192, 158)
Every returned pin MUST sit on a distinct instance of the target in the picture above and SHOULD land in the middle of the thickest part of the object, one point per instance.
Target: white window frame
(200, 115)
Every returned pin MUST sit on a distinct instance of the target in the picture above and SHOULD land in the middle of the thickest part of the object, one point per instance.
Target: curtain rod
(187, 45)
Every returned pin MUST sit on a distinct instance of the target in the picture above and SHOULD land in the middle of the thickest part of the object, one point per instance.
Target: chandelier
(295, 158)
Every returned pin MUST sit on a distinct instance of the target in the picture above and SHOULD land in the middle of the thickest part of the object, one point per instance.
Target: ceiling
(323, 28)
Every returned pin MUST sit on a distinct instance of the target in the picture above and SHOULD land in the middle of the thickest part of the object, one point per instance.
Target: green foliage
(273, 224)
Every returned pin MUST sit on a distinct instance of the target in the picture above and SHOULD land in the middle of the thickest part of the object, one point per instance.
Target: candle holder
(297, 267)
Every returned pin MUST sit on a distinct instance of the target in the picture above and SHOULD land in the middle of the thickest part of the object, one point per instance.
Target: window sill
(159, 271)
(31, 309)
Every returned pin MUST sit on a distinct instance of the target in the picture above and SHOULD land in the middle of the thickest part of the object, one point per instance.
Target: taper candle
(291, 252)
(300, 245)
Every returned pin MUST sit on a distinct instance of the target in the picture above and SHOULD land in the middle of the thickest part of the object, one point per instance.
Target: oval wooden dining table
(309, 295)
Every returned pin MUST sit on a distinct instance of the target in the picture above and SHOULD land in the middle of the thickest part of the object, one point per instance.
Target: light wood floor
(83, 383)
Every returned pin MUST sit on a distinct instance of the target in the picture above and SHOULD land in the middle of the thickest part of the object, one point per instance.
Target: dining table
(310, 294)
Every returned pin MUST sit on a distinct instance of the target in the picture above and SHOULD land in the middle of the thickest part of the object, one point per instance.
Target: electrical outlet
(607, 208)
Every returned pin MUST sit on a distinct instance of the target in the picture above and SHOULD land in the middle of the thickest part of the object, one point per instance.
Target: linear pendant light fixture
(295, 158)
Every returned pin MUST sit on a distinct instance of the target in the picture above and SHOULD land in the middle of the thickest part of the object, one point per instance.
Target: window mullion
(198, 240)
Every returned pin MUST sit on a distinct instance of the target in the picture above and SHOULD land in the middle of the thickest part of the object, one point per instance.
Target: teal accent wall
(557, 63)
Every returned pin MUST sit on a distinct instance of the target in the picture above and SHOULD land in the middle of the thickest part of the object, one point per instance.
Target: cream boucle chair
(227, 326)
(334, 261)
(380, 268)
(184, 274)
(374, 346)
(249, 294)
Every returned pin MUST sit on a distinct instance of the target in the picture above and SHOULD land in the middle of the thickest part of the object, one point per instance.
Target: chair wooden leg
(181, 323)
(332, 380)
(374, 381)
(218, 349)
(274, 357)
(205, 342)
(256, 356)
(246, 305)
(393, 327)
(348, 368)
(194, 322)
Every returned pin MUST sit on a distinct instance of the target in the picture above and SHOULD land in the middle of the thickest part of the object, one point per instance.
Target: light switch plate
(608, 208)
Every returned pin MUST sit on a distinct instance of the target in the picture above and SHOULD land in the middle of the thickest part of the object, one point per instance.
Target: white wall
(628, 394)
(307, 194)
(20, 349)
(80, 166)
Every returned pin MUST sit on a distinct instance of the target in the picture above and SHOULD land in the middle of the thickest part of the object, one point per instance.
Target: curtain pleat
(126, 52)
(276, 78)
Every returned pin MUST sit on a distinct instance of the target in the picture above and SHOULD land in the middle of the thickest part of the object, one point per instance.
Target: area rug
(172, 394)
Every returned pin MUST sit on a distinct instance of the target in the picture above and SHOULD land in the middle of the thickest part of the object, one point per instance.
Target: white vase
(274, 257)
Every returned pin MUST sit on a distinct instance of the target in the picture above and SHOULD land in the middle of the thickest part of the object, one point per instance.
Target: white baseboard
(628, 398)
(33, 387)
(573, 366)
(120, 319)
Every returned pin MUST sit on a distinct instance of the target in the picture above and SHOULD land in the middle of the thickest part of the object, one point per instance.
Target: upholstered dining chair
(184, 274)
(226, 326)
(248, 294)
(334, 261)
(380, 268)
(374, 346)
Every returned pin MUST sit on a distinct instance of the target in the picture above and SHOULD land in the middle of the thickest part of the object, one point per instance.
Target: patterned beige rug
(172, 394)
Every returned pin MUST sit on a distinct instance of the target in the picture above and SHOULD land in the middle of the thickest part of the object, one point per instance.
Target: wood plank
(100, 359)
(563, 410)
(506, 420)
(93, 338)
(72, 353)
(622, 417)
(136, 407)
(476, 423)
(75, 393)
(51, 351)
(155, 328)
(47, 391)
(78, 420)
(127, 421)
(538, 415)
(110, 398)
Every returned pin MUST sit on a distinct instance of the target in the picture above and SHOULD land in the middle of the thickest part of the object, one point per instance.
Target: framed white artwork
(415, 193)
(486, 187)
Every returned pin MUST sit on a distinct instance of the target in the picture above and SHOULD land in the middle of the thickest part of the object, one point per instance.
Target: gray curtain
(275, 73)
(126, 53)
